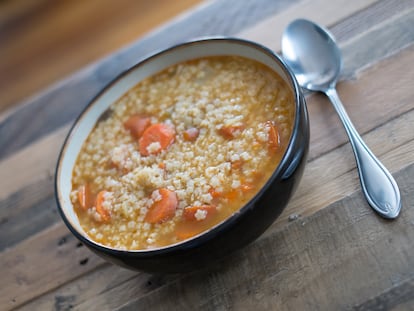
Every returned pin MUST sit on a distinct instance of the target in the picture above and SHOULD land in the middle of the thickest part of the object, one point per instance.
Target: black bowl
(235, 232)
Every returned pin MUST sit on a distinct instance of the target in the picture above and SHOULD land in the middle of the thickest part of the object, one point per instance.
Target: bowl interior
(130, 78)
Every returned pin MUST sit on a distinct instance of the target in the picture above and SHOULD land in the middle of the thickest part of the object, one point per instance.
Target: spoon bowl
(312, 54)
(314, 57)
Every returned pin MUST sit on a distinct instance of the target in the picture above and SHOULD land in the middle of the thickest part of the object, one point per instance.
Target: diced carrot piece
(161, 165)
(156, 133)
(237, 164)
(230, 131)
(191, 134)
(187, 230)
(214, 193)
(257, 175)
(231, 195)
(274, 137)
(137, 124)
(100, 209)
(85, 197)
(190, 211)
(163, 209)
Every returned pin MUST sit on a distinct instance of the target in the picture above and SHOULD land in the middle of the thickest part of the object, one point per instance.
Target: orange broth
(181, 151)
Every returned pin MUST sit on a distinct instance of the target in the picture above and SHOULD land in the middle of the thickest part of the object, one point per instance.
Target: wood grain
(101, 280)
(30, 164)
(65, 35)
(219, 17)
(34, 266)
(327, 251)
(320, 11)
(400, 297)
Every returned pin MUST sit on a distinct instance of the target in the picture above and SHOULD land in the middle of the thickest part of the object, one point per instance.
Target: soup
(181, 151)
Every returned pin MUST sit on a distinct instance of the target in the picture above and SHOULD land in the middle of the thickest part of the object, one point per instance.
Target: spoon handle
(378, 185)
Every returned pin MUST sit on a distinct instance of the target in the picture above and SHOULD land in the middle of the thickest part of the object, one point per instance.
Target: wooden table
(328, 250)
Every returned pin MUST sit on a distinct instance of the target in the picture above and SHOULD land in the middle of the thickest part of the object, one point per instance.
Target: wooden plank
(269, 31)
(332, 260)
(27, 212)
(63, 102)
(28, 190)
(335, 182)
(394, 34)
(365, 19)
(28, 166)
(66, 35)
(399, 297)
(45, 261)
(100, 280)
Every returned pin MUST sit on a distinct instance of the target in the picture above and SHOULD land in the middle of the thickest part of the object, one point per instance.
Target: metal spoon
(311, 52)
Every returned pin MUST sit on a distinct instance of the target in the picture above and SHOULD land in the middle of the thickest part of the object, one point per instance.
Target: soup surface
(181, 151)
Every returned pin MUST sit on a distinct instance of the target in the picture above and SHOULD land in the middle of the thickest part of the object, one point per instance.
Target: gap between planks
(323, 12)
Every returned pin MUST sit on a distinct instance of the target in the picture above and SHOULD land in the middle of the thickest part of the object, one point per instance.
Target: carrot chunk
(163, 208)
(198, 212)
(191, 134)
(274, 137)
(156, 138)
(230, 131)
(214, 193)
(85, 197)
(187, 230)
(231, 195)
(137, 124)
(100, 209)
(237, 164)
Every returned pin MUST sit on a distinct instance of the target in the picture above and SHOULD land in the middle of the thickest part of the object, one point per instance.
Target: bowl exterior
(240, 229)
